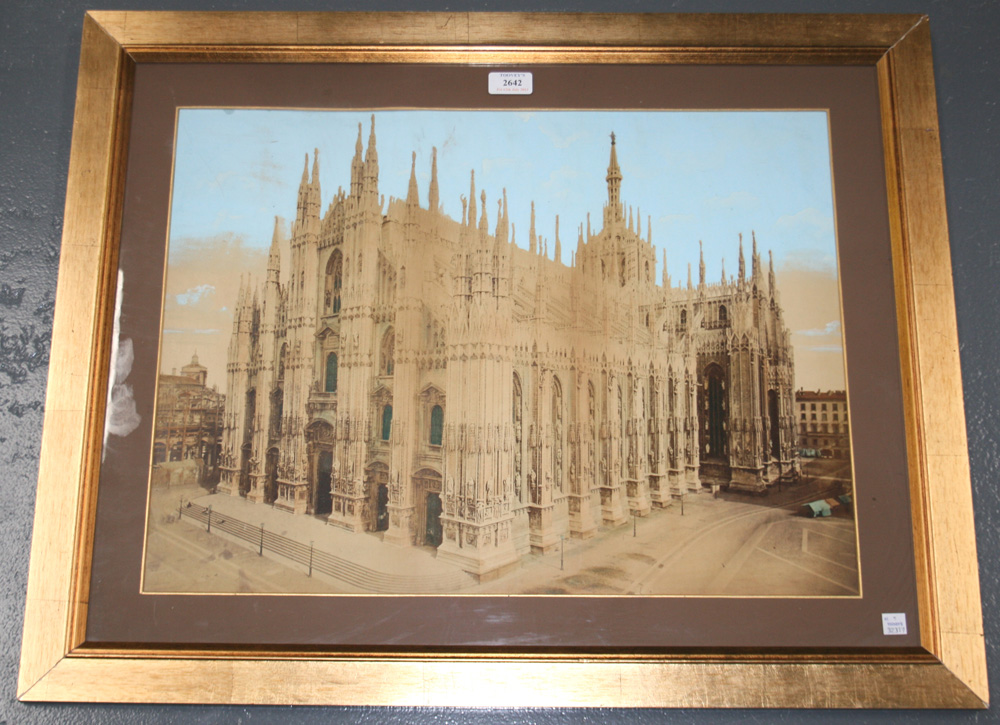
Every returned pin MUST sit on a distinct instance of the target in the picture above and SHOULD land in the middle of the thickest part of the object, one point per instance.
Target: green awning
(818, 508)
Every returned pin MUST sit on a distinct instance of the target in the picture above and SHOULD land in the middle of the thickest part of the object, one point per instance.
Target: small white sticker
(894, 623)
(510, 84)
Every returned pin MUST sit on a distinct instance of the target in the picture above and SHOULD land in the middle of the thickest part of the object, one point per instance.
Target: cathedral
(427, 378)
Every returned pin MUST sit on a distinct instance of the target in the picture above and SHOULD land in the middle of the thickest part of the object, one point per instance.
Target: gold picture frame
(58, 663)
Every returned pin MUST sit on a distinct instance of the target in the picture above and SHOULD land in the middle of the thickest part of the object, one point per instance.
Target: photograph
(425, 352)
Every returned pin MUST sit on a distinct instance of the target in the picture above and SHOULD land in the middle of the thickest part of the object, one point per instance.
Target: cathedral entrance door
(271, 471)
(324, 469)
(377, 497)
(245, 470)
(428, 506)
(432, 531)
(382, 509)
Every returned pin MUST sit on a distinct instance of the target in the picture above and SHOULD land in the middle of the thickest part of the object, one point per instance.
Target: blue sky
(698, 175)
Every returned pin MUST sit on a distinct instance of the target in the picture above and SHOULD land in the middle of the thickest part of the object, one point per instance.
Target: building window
(331, 373)
(722, 313)
(437, 425)
(824, 406)
(386, 422)
(277, 404)
(334, 283)
(684, 318)
(388, 362)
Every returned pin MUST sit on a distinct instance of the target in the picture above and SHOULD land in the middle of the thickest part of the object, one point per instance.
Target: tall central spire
(614, 180)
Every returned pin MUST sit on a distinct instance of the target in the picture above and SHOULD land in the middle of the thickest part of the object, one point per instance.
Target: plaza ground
(729, 545)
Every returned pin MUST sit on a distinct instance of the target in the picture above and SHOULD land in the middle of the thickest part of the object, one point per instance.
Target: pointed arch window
(330, 383)
(277, 406)
(723, 314)
(387, 363)
(386, 422)
(437, 425)
(334, 283)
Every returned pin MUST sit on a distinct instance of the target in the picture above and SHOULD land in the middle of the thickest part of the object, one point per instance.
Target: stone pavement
(366, 550)
(715, 547)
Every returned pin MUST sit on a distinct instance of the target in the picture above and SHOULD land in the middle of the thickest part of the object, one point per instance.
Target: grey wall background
(38, 66)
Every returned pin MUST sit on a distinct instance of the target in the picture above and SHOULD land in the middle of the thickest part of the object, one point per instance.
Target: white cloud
(560, 141)
(808, 221)
(832, 328)
(194, 295)
(557, 181)
(810, 259)
(490, 165)
(737, 201)
(676, 218)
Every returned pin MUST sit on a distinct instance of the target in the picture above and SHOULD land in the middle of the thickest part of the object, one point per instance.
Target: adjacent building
(188, 437)
(824, 430)
(430, 378)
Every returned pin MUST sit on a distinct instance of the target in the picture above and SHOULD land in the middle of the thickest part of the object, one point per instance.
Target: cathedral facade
(428, 378)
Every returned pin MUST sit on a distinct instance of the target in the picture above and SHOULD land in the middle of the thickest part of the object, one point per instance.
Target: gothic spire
(432, 193)
(723, 270)
(274, 257)
(357, 166)
(313, 201)
(483, 223)
(666, 277)
(701, 265)
(472, 199)
(412, 195)
(614, 180)
(532, 238)
(770, 273)
(754, 258)
(371, 155)
(743, 265)
(689, 275)
(558, 256)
